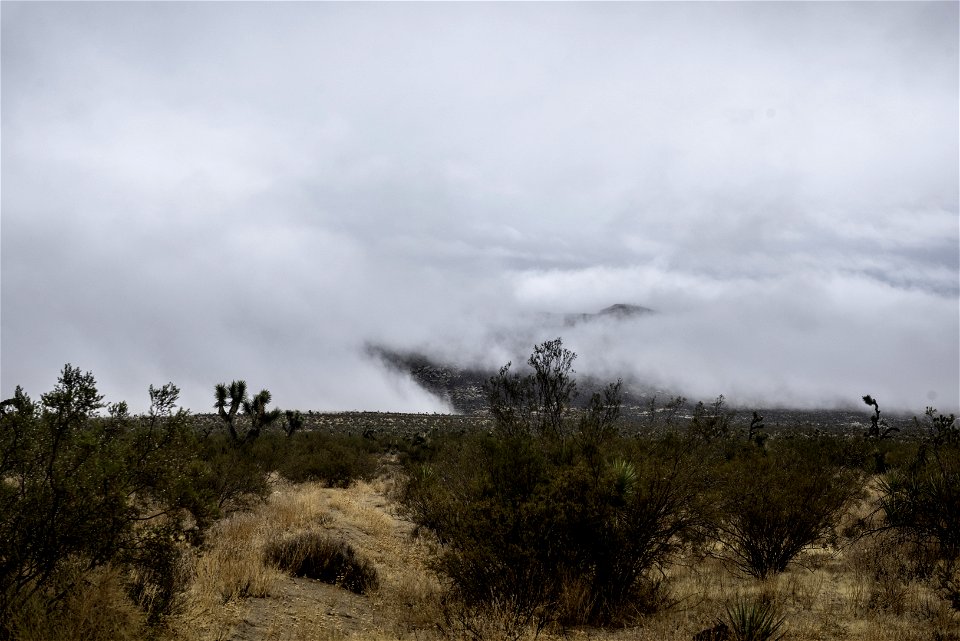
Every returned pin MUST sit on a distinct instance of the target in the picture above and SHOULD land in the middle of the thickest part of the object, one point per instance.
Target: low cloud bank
(819, 340)
(794, 342)
(778, 180)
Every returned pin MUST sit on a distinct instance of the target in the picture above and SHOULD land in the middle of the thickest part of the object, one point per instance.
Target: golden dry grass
(98, 610)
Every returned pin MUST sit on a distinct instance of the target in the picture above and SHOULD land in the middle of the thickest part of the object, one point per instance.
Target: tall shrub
(772, 505)
(567, 528)
(922, 503)
(81, 490)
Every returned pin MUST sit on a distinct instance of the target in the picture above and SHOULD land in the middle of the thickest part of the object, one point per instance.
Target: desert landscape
(480, 321)
(534, 517)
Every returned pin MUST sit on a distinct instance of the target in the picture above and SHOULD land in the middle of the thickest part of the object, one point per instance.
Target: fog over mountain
(199, 192)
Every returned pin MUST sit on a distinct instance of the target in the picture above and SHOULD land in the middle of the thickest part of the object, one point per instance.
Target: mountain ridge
(462, 386)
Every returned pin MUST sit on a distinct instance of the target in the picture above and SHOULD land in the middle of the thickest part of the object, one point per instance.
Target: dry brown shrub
(97, 609)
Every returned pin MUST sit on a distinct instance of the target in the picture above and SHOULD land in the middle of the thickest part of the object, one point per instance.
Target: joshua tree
(260, 416)
(878, 426)
(878, 431)
(755, 435)
(237, 393)
(294, 422)
(256, 409)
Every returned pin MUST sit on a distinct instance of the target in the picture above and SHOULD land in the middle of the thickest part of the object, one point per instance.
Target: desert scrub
(772, 505)
(83, 491)
(921, 505)
(334, 460)
(558, 517)
(317, 556)
(564, 538)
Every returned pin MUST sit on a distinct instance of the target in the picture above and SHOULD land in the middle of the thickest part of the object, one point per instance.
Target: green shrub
(942, 429)
(572, 529)
(335, 460)
(534, 525)
(319, 557)
(85, 491)
(536, 402)
(773, 505)
(227, 478)
(439, 482)
(711, 424)
(482, 503)
(157, 572)
(921, 502)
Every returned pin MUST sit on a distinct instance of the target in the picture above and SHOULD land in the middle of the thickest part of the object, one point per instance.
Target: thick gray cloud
(202, 191)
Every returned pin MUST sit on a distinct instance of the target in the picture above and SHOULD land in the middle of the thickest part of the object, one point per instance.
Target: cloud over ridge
(199, 192)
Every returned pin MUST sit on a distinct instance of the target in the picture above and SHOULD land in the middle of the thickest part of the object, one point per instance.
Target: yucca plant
(624, 477)
(755, 621)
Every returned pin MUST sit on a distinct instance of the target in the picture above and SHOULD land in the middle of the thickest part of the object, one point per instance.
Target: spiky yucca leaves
(260, 416)
(755, 621)
(624, 477)
(255, 409)
(237, 393)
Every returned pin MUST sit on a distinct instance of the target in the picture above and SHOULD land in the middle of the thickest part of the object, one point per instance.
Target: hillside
(462, 387)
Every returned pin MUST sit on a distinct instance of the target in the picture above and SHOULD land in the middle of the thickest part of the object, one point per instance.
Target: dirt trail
(299, 608)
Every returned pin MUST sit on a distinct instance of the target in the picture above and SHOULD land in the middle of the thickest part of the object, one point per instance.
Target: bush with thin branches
(533, 518)
(772, 505)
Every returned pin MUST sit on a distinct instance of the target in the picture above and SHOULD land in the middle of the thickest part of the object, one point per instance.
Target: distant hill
(618, 312)
(462, 387)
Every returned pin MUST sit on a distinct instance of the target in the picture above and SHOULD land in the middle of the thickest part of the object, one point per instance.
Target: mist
(202, 192)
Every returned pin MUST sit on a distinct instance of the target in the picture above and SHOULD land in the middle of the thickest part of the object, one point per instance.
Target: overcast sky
(197, 192)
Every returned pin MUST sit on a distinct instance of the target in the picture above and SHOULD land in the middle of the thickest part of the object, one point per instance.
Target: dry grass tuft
(317, 556)
(97, 610)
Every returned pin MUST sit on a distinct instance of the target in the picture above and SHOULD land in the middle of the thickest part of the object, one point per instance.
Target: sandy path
(299, 608)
